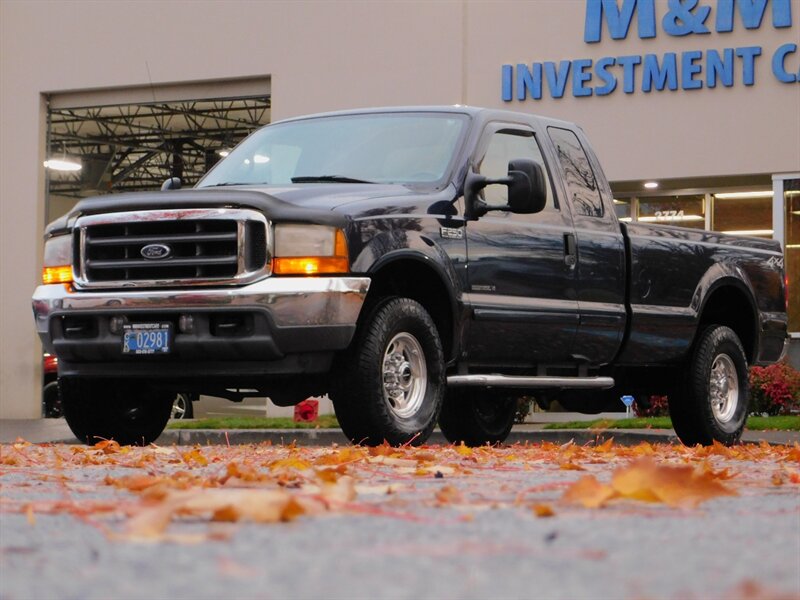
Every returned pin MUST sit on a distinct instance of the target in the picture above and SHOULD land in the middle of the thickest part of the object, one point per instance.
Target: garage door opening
(133, 140)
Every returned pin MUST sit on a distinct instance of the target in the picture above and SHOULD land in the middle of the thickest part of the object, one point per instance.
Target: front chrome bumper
(291, 302)
(286, 317)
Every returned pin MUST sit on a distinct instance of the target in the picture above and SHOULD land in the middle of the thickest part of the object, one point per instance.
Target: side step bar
(507, 381)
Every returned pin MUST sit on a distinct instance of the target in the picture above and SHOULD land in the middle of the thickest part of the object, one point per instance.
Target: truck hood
(312, 202)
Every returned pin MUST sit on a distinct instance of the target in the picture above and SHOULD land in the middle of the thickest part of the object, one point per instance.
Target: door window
(505, 145)
(582, 187)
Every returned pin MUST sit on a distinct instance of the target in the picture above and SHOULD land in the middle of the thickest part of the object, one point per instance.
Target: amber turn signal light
(315, 265)
(60, 274)
(309, 265)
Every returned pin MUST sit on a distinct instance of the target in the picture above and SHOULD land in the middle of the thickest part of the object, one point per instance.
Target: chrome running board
(533, 383)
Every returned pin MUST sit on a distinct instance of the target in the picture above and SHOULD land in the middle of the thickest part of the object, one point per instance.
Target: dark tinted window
(581, 183)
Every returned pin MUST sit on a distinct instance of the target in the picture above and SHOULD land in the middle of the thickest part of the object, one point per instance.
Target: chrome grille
(197, 246)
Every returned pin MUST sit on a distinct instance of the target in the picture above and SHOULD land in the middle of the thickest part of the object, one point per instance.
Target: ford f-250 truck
(419, 265)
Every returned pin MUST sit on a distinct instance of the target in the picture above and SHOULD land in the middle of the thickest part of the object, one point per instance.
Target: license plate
(146, 338)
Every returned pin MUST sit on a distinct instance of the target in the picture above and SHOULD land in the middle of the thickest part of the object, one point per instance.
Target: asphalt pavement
(403, 544)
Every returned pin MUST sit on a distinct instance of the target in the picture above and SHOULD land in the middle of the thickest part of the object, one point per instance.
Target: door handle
(570, 250)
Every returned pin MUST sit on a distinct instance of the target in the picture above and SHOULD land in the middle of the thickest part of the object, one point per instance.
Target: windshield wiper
(328, 179)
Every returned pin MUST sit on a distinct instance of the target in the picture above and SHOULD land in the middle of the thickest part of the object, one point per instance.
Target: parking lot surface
(528, 521)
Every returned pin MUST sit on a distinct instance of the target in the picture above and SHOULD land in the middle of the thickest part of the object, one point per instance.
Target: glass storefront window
(683, 211)
(743, 213)
(622, 208)
(791, 195)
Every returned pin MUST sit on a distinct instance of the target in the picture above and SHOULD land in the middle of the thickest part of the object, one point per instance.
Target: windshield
(405, 148)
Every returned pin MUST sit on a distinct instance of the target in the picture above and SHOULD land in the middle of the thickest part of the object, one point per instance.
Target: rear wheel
(390, 384)
(712, 402)
(477, 417)
(128, 414)
(182, 407)
(51, 401)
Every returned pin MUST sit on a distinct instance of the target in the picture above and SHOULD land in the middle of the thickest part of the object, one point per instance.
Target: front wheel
(477, 417)
(128, 414)
(389, 386)
(712, 402)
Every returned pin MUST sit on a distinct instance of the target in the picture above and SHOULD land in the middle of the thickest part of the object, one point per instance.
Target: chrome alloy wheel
(404, 375)
(723, 388)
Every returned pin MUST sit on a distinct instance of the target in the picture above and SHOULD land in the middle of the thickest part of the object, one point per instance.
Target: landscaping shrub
(774, 390)
(652, 406)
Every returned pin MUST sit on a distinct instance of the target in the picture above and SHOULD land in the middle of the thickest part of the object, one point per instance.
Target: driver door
(521, 286)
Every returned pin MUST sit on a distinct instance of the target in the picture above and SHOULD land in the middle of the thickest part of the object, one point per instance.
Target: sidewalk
(56, 431)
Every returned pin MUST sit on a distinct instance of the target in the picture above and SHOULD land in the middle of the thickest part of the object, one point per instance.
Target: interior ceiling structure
(137, 147)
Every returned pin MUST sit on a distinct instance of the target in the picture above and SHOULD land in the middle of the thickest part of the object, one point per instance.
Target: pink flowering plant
(774, 390)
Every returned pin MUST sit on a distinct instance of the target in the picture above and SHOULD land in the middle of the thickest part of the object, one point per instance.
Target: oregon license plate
(146, 338)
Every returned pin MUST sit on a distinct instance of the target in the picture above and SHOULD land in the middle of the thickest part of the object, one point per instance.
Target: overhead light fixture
(749, 232)
(792, 246)
(63, 164)
(743, 195)
(621, 201)
(651, 185)
(223, 153)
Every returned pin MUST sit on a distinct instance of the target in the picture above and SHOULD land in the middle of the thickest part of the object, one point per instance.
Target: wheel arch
(414, 275)
(729, 301)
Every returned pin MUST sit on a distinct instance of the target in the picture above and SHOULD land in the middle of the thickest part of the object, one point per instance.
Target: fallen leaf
(589, 492)
(646, 480)
(542, 510)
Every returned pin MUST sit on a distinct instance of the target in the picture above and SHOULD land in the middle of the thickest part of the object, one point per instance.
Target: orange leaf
(570, 466)
(589, 492)
(107, 446)
(605, 446)
(543, 510)
(448, 495)
(674, 485)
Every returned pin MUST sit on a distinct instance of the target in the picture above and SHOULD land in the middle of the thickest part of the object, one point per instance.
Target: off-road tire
(477, 417)
(359, 381)
(128, 414)
(698, 416)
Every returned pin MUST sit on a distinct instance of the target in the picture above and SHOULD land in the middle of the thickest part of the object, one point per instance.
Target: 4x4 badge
(155, 251)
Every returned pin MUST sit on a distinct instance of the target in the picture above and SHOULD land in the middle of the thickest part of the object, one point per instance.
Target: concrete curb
(329, 437)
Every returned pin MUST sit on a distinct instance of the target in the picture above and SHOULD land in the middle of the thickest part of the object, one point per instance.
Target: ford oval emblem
(156, 251)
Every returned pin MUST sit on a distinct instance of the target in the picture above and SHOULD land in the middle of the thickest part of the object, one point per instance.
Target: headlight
(309, 250)
(58, 260)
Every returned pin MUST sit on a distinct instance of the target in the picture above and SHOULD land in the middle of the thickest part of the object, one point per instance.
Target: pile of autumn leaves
(269, 484)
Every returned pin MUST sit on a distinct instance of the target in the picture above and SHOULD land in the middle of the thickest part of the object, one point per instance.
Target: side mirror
(527, 192)
(173, 183)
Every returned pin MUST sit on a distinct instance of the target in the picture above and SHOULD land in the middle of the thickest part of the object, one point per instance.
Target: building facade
(700, 98)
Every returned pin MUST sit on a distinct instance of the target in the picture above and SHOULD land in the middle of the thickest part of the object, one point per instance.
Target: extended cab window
(582, 188)
(505, 145)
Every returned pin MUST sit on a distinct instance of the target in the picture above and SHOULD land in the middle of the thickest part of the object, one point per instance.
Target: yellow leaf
(463, 450)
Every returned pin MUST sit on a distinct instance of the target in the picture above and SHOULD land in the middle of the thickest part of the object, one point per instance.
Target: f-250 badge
(451, 233)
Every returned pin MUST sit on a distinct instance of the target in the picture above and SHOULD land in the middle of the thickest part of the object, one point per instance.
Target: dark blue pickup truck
(421, 266)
